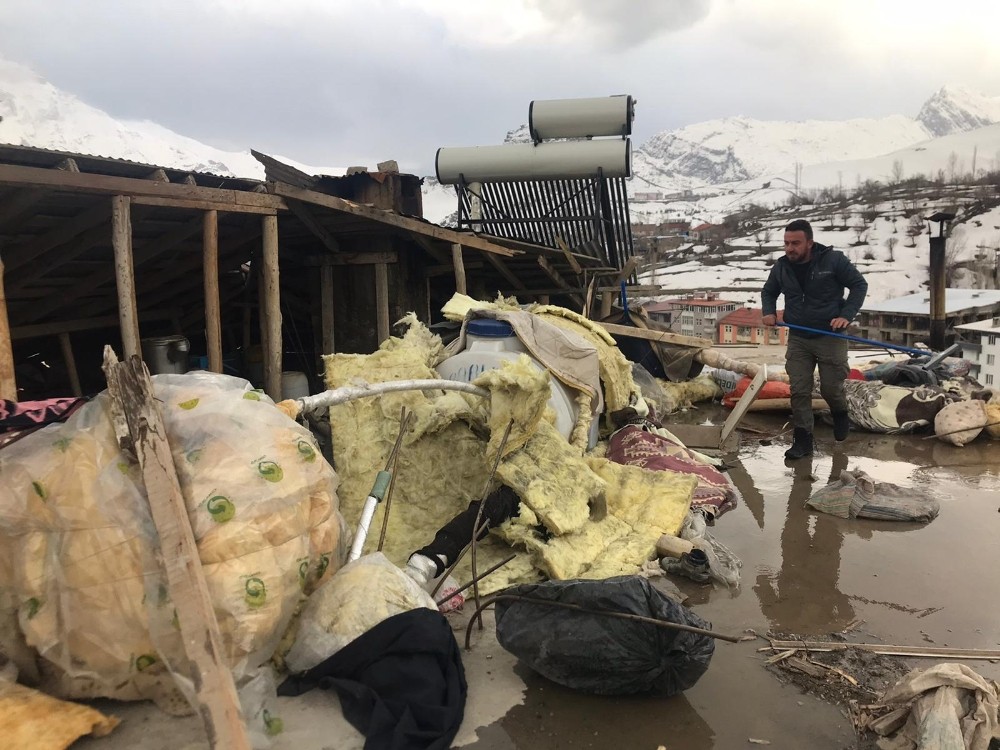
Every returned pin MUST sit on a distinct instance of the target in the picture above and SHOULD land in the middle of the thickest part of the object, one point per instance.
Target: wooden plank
(573, 262)
(145, 253)
(203, 205)
(271, 309)
(436, 253)
(326, 309)
(552, 252)
(121, 241)
(130, 386)
(81, 182)
(81, 324)
(70, 361)
(8, 381)
(744, 404)
(459, 266)
(213, 315)
(648, 334)
(20, 205)
(308, 218)
(608, 298)
(354, 259)
(886, 649)
(58, 235)
(506, 272)
(158, 175)
(382, 301)
(68, 165)
(415, 226)
(560, 282)
(46, 263)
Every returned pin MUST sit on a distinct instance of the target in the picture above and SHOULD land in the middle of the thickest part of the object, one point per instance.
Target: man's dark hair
(801, 225)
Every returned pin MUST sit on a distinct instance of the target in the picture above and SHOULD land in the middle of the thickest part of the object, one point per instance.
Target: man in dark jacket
(813, 278)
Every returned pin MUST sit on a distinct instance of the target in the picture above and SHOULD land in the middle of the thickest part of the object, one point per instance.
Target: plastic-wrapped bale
(961, 422)
(604, 655)
(78, 545)
(993, 413)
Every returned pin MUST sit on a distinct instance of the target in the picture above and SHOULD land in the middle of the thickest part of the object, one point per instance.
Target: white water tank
(488, 344)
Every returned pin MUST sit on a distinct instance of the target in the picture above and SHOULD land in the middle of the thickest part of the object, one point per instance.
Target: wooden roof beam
(553, 274)
(308, 218)
(501, 267)
(68, 165)
(389, 218)
(97, 279)
(59, 235)
(221, 199)
(15, 209)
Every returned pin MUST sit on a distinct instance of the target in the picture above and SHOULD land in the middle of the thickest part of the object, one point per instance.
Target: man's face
(797, 248)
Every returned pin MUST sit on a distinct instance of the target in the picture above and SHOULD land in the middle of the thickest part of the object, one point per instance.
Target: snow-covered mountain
(33, 112)
(954, 109)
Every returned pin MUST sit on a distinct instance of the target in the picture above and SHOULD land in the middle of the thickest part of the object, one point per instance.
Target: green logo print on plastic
(33, 605)
(144, 662)
(221, 508)
(189, 404)
(307, 452)
(270, 471)
(303, 572)
(253, 395)
(255, 592)
(40, 490)
(273, 725)
(324, 563)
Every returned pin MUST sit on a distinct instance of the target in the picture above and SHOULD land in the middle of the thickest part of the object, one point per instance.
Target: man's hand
(770, 320)
(838, 323)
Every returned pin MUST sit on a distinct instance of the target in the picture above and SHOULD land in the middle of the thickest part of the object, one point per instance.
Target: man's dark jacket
(822, 299)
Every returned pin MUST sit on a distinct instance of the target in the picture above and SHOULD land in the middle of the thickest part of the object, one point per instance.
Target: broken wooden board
(131, 391)
(886, 649)
(649, 334)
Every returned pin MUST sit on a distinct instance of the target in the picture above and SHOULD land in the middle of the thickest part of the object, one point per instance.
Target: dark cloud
(620, 23)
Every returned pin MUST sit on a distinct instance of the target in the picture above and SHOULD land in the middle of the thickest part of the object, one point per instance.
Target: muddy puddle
(811, 575)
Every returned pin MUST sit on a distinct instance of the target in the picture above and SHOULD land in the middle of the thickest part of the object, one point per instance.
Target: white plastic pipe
(362, 390)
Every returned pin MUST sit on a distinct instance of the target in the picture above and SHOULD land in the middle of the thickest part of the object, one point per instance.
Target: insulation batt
(78, 567)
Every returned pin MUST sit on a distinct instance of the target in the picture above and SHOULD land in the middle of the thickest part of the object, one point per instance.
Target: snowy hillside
(954, 109)
(33, 112)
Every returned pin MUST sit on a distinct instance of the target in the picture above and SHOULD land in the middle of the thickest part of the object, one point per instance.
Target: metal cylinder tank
(581, 118)
(563, 160)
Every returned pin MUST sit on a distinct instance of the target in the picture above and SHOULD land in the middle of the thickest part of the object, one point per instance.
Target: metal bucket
(166, 354)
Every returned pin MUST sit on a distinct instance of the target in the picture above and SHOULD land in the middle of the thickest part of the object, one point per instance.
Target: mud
(812, 575)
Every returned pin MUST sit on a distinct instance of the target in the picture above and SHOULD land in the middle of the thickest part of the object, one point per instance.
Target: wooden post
(8, 383)
(382, 300)
(132, 393)
(326, 307)
(271, 310)
(121, 241)
(70, 360)
(213, 315)
(456, 259)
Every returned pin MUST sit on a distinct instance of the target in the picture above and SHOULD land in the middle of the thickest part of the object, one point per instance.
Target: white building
(981, 346)
(906, 320)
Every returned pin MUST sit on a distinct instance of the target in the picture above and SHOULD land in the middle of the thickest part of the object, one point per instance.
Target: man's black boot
(841, 425)
(802, 444)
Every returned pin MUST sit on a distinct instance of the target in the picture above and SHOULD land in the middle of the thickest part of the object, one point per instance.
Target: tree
(915, 229)
(762, 236)
(860, 228)
(891, 247)
(952, 166)
(897, 171)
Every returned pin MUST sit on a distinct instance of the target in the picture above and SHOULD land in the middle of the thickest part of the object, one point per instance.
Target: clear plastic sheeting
(79, 565)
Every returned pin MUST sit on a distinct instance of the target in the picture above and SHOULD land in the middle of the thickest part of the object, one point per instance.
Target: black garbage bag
(604, 655)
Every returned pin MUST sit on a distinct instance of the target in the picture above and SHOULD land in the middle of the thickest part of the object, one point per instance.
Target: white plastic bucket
(489, 343)
(294, 384)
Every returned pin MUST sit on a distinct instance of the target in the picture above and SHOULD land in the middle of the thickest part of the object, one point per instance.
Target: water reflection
(804, 596)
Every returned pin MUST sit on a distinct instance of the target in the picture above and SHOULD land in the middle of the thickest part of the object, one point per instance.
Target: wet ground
(810, 574)
(803, 572)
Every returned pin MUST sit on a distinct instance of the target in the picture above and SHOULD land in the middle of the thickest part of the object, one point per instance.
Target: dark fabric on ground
(401, 684)
(457, 533)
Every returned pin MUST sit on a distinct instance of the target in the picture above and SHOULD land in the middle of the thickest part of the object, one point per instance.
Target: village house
(906, 320)
(694, 314)
(709, 233)
(746, 326)
(980, 344)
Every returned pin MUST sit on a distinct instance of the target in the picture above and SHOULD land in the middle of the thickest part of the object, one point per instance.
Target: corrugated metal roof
(956, 300)
(33, 156)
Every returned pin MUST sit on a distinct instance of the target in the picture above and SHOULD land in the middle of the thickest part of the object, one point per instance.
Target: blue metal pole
(908, 350)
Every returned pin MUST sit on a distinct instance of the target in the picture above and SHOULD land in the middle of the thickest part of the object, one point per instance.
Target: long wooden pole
(382, 301)
(121, 241)
(70, 360)
(8, 383)
(272, 309)
(213, 313)
(459, 263)
(326, 308)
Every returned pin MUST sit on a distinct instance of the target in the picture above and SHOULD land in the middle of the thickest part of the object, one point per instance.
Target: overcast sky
(332, 82)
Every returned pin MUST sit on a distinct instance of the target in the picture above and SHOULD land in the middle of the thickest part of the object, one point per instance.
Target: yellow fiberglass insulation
(77, 542)
(681, 395)
(444, 465)
(620, 389)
